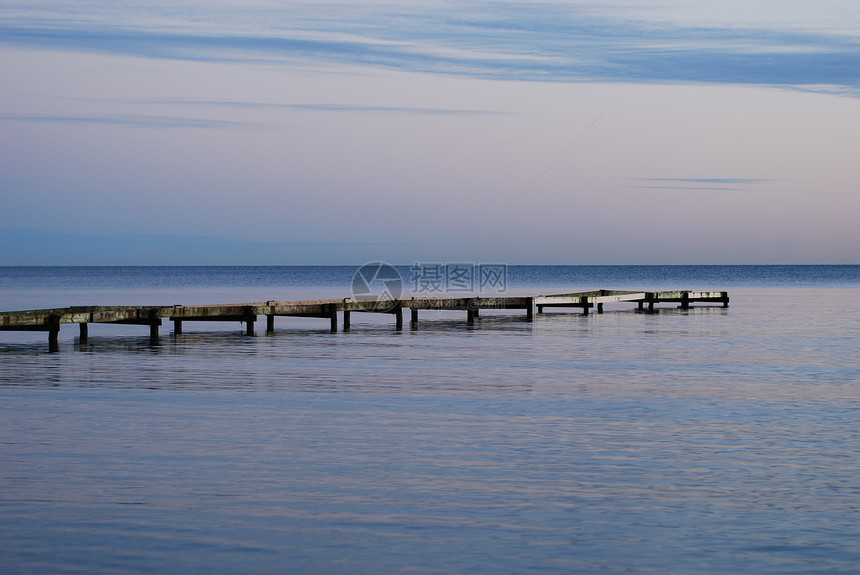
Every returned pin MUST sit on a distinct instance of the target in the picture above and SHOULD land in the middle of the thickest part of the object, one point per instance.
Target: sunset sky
(585, 132)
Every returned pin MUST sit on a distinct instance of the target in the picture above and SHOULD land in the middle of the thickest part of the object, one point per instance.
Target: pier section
(50, 320)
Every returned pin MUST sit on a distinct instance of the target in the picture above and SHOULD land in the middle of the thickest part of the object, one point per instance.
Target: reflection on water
(700, 441)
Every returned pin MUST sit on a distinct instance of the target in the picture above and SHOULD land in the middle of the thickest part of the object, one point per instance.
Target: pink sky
(333, 137)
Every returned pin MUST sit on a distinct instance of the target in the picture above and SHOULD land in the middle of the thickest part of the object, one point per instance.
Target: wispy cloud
(174, 121)
(710, 180)
(131, 121)
(329, 107)
(504, 40)
(701, 184)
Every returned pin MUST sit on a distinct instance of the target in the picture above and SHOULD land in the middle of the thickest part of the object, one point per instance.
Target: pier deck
(50, 320)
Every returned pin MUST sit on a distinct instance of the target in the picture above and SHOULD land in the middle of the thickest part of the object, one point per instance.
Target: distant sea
(708, 440)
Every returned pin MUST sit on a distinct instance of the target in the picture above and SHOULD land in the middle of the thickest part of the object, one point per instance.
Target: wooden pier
(50, 320)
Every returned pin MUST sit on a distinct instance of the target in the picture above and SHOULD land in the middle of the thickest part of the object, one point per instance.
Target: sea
(707, 440)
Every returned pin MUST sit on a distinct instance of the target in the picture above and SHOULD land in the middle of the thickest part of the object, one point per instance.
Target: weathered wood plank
(589, 297)
(465, 303)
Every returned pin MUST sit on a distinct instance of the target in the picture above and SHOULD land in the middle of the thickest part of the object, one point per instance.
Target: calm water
(704, 441)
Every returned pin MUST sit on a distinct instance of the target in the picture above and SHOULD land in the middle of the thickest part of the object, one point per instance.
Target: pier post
(250, 319)
(85, 332)
(472, 311)
(540, 309)
(177, 327)
(398, 316)
(470, 316)
(530, 309)
(54, 333)
(685, 300)
(584, 301)
(600, 308)
(414, 317)
(332, 314)
(347, 320)
(154, 322)
(270, 324)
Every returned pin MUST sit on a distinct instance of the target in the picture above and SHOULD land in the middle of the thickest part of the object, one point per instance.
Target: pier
(50, 320)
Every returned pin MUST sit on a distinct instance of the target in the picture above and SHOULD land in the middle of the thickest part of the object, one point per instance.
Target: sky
(518, 132)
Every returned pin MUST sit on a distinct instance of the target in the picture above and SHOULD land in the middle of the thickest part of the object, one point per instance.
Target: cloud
(331, 107)
(510, 41)
(702, 184)
(709, 180)
(132, 121)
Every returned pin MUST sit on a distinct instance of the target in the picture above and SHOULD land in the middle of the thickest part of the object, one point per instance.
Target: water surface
(703, 441)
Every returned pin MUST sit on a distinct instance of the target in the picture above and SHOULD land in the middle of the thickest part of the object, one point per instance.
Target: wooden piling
(154, 323)
(270, 323)
(250, 319)
(84, 332)
(54, 333)
(332, 314)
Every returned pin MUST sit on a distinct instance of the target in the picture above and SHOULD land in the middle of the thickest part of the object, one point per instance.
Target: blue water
(707, 440)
